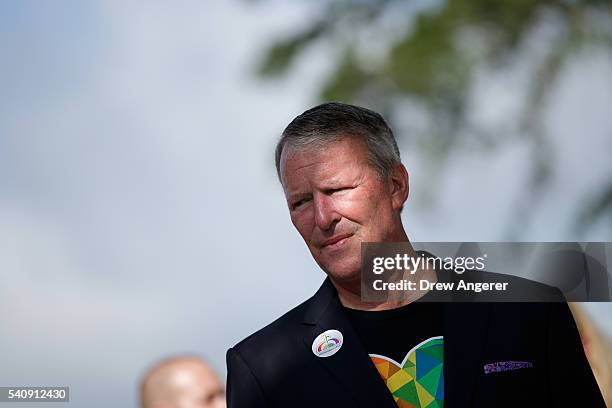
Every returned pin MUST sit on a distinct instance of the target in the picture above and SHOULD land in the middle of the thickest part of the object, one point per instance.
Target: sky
(140, 215)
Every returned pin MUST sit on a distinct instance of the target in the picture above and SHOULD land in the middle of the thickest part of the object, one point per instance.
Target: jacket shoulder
(274, 334)
(273, 353)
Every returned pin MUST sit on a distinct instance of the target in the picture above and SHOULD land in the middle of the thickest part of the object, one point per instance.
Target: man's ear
(398, 179)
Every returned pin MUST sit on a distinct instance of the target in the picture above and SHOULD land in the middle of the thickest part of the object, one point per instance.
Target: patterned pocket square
(501, 366)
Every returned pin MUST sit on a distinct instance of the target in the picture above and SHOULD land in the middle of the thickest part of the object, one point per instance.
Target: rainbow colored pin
(327, 343)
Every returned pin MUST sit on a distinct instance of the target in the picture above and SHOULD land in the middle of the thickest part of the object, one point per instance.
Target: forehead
(323, 161)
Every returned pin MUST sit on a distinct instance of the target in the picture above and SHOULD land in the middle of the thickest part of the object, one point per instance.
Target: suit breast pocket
(509, 385)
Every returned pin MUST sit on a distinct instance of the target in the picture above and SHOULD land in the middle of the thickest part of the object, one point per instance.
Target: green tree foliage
(431, 54)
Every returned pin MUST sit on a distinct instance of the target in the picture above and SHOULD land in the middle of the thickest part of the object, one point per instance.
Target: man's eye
(339, 189)
(299, 203)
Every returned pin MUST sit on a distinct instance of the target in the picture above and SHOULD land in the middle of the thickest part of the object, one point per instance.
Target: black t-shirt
(406, 346)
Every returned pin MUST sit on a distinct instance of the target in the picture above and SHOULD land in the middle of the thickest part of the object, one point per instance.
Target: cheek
(379, 201)
(361, 206)
(303, 223)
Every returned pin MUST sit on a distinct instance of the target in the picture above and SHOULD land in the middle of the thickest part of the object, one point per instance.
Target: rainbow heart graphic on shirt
(418, 382)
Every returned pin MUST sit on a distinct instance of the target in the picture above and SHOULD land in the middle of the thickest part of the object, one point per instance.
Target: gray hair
(330, 122)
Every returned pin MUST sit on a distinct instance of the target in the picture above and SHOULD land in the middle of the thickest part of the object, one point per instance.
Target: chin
(343, 273)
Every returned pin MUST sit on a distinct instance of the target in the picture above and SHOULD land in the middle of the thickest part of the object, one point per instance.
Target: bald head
(182, 382)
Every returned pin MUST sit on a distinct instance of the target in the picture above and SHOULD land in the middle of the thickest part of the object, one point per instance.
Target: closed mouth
(336, 242)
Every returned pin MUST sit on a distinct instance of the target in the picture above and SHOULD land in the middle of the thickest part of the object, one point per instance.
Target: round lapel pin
(327, 343)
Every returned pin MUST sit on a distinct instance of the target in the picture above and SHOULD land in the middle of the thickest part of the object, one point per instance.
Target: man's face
(337, 200)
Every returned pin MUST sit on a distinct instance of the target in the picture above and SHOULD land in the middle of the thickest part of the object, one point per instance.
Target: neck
(349, 292)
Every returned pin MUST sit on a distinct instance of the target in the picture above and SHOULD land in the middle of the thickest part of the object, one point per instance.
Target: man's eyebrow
(339, 181)
(297, 195)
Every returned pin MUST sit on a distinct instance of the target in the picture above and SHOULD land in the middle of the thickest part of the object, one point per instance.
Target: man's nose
(325, 212)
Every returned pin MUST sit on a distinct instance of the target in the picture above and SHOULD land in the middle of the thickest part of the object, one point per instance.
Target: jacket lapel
(351, 365)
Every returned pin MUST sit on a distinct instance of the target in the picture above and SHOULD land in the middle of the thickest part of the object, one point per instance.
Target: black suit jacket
(275, 366)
